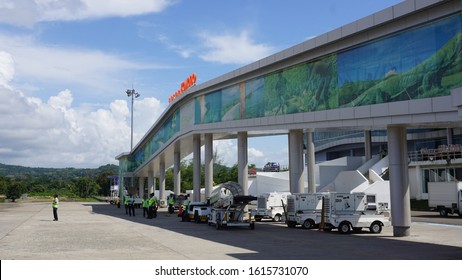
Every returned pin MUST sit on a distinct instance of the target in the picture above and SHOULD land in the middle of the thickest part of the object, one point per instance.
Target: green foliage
(14, 190)
(45, 182)
(221, 174)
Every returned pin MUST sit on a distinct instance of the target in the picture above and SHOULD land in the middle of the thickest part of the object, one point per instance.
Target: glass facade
(421, 62)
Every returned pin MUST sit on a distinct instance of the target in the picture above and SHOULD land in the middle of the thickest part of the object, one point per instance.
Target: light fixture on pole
(133, 94)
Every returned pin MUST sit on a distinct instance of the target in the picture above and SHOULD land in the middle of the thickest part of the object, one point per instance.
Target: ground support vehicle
(304, 209)
(445, 197)
(199, 211)
(270, 206)
(232, 215)
(353, 211)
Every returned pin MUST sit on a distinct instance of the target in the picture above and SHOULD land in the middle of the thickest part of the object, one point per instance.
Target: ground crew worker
(185, 206)
(126, 204)
(152, 213)
(131, 205)
(170, 202)
(55, 205)
(145, 204)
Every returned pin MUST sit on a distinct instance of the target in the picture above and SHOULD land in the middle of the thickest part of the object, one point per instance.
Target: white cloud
(36, 64)
(6, 68)
(227, 151)
(183, 51)
(29, 12)
(233, 49)
(56, 133)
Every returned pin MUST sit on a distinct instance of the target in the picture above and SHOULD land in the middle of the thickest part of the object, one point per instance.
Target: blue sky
(65, 66)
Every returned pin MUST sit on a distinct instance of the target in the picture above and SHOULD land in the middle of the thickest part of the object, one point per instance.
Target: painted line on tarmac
(437, 225)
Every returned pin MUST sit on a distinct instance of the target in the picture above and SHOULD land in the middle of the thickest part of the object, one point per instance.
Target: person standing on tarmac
(145, 204)
(126, 198)
(55, 205)
(185, 206)
(170, 202)
(152, 212)
(131, 205)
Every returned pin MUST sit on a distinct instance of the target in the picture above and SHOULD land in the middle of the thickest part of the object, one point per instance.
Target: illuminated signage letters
(190, 81)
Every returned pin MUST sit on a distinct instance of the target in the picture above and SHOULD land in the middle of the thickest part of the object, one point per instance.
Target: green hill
(21, 172)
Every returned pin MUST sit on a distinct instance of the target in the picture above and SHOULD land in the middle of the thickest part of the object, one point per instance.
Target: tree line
(87, 183)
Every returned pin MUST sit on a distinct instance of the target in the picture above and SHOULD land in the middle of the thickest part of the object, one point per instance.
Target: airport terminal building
(394, 77)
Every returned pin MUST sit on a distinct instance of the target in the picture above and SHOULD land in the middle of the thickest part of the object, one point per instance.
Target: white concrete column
(141, 186)
(208, 166)
(310, 156)
(121, 189)
(162, 197)
(176, 173)
(151, 182)
(296, 181)
(399, 181)
(161, 179)
(367, 145)
(197, 167)
(242, 161)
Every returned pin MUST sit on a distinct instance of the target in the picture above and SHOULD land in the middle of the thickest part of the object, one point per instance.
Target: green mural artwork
(421, 62)
(302, 88)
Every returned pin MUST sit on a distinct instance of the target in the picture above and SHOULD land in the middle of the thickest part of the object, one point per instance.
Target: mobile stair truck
(270, 206)
(354, 211)
(304, 209)
(445, 197)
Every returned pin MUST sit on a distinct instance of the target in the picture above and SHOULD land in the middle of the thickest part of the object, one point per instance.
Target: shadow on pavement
(275, 241)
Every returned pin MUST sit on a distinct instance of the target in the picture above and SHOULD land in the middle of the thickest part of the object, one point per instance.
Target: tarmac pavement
(100, 231)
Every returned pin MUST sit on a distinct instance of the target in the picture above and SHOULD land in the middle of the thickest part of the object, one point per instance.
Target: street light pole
(133, 94)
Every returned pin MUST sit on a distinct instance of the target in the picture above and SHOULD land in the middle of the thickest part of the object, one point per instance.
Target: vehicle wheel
(258, 218)
(344, 227)
(376, 227)
(277, 218)
(308, 224)
(443, 212)
(252, 225)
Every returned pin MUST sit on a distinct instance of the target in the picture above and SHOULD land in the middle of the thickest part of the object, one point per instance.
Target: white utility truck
(270, 206)
(304, 209)
(445, 197)
(353, 211)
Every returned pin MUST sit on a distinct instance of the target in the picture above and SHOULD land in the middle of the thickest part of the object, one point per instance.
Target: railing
(443, 152)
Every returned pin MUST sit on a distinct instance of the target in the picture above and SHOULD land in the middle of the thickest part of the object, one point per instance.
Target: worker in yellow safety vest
(145, 204)
(152, 212)
(55, 205)
(170, 202)
(126, 198)
(185, 206)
